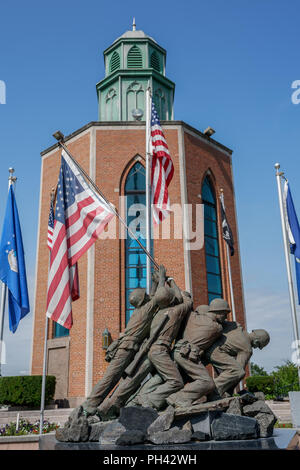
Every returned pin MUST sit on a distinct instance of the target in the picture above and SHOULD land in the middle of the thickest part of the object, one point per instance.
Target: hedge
(261, 383)
(25, 390)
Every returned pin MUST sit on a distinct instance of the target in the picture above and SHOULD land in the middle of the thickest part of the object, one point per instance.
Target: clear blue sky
(233, 64)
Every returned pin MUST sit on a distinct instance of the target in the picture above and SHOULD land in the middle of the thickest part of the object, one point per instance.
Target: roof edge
(138, 124)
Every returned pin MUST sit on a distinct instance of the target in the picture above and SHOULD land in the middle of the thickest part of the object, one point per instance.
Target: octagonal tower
(132, 63)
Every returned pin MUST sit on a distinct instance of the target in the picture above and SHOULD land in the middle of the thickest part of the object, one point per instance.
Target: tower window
(135, 258)
(114, 62)
(212, 255)
(60, 331)
(154, 61)
(135, 58)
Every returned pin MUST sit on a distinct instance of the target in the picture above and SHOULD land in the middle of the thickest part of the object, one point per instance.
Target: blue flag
(293, 230)
(12, 264)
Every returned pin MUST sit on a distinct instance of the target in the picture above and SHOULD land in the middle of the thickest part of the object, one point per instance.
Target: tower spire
(133, 24)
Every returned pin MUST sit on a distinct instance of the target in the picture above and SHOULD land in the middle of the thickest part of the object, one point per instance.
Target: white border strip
(184, 202)
(89, 346)
(36, 264)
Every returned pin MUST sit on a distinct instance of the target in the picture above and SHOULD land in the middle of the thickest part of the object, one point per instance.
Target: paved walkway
(282, 411)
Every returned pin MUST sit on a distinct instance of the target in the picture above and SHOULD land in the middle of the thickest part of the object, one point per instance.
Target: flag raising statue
(80, 216)
(293, 231)
(162, 170)
(12, 264)
(226, 230)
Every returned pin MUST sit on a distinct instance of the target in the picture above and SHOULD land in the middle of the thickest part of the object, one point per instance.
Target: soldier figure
(203, 327)
(231, 353)
(122, 351)
(159, 354)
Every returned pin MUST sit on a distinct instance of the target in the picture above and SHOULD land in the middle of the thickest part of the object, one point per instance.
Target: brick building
(112, 151)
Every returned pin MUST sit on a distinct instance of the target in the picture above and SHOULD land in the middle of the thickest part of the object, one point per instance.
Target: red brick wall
(201, 157)
(81, 149)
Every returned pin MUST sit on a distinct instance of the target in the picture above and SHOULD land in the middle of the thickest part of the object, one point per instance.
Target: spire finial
(133, 24)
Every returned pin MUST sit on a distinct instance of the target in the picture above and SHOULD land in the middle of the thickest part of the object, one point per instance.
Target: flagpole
(148, 189)
(45, 360)
(108, 203)
(229, 269)
(288, 266)
(11, 180)
(44, 377)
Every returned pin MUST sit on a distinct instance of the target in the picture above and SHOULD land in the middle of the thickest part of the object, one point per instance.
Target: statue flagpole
(229, 268)
(288, 266)
(45, 360)
(148, 187)
(11, 180)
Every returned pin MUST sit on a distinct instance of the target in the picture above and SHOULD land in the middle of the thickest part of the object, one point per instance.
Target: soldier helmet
(261, 338)
(202, 309)
(219, 305)
(164, 297)
(137, 297)
(186, 294)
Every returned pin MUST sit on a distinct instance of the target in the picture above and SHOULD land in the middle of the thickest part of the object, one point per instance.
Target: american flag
(80, 216)
(50, 225)
(162, 170)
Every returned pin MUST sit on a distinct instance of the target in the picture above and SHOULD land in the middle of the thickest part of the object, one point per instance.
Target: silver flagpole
(229, 269)
(288, 266)
(45, 360)
(11, 180)
(44, 378)
(148, 188)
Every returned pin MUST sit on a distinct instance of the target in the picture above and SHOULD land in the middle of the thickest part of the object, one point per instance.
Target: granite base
(279, 440)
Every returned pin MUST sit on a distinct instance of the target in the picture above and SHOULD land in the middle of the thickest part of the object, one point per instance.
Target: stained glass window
(135, 258)
(212, 255)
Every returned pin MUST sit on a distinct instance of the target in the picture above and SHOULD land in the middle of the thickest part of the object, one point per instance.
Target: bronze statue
(122, 351)
(230, 354)
(155, 353)
(203, 327)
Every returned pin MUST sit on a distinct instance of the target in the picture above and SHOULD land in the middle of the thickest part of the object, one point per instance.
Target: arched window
(212, 254)
(154, 61)
(135, 258)
(114, 62)
(135, 58)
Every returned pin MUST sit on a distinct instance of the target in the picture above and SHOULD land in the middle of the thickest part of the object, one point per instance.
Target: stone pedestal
(280, 440)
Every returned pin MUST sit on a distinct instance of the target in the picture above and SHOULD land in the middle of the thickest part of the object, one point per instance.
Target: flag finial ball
(277, 166)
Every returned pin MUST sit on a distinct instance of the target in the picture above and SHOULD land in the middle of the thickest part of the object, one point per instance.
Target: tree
(286, 379)
(257, 370)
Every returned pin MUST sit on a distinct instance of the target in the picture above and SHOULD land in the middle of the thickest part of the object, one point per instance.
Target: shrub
(25, 390)
(261, 383)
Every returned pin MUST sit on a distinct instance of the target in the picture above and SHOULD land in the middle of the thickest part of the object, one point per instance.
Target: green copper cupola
(132, 63)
